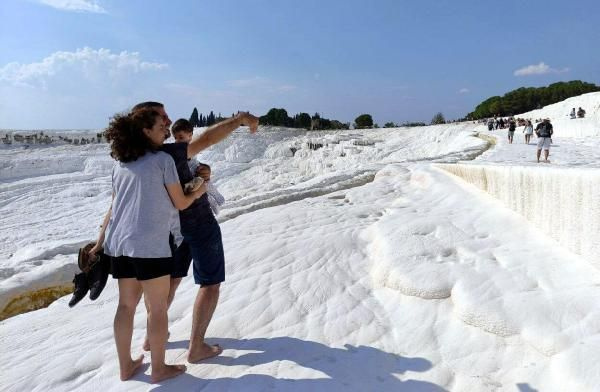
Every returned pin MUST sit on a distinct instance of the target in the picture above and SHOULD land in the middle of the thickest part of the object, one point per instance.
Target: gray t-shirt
(143, 215)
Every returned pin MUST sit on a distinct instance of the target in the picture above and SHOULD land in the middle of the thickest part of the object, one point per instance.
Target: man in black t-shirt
(512, 125)
(544, 131)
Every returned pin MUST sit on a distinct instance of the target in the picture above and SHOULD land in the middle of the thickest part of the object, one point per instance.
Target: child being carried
(183, 131)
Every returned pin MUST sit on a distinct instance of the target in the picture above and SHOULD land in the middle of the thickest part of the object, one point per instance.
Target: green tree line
(525, 99)
(280, 117)
(199, 120)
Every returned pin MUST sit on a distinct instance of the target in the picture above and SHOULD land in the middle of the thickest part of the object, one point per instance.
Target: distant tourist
(512, 125)
(580, 113)
(573, 115)
(544, 131)
(528, 131)
(490, 124)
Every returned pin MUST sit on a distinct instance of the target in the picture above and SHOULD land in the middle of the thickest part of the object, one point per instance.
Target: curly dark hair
(126, 136)
(146, 105)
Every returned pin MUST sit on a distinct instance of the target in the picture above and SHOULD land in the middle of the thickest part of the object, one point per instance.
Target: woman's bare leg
(172, 289)
(130, 292)
(156, 293)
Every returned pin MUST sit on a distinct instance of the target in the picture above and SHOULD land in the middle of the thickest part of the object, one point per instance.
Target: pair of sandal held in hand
(93, 276)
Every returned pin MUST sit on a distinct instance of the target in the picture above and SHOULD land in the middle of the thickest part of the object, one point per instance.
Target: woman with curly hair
(135, 233)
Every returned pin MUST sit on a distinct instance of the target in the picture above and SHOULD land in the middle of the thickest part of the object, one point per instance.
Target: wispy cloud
(88, 63)
(260, 83)
(81, 88)
(464, 90)
(75, 5)
(538, 69)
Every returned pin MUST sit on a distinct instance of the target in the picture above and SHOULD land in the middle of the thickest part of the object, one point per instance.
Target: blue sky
(74, 63)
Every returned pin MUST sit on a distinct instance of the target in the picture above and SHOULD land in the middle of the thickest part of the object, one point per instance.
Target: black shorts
(182, 258)
(124, 267)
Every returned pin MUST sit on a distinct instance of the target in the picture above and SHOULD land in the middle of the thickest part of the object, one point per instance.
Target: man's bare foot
(131, 368)
(205, 351)
(166, 372)
(146, 345)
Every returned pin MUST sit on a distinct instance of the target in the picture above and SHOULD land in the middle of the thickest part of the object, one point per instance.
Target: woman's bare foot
(205, 351)
(131, 368)
(166, 372)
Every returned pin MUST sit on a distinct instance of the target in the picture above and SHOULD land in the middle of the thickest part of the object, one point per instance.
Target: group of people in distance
(543, 131)
(153, 230)
(580, 113)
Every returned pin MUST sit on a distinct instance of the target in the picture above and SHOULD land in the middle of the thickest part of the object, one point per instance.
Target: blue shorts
(203, 236)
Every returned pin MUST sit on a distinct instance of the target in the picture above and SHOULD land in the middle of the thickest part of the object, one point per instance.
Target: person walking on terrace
(512, 126)
(528, 131)
(544, 131)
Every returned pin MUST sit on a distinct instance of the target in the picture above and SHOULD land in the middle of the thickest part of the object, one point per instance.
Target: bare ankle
(203, 351)
(165, 372)
(131, 368)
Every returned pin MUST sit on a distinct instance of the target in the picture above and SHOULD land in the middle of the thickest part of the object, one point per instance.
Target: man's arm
(220, 131)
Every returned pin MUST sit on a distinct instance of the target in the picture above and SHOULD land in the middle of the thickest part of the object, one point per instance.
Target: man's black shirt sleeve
(179, 153)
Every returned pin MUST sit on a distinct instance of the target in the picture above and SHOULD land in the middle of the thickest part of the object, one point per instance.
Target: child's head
(182, 130)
